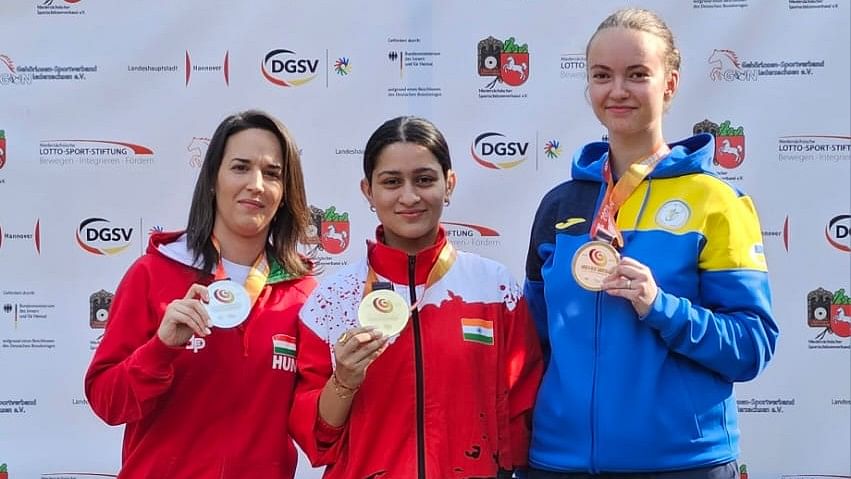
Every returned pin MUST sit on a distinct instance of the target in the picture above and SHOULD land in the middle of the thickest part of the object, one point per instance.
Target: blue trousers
(729, 470)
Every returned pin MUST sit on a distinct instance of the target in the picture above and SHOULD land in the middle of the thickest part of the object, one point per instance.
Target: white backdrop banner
(106, 109)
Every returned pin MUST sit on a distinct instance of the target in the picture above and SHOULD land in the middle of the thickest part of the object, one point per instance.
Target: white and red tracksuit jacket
(217, 408)
(442, 401)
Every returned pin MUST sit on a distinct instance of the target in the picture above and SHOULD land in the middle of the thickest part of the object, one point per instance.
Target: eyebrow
(424, 169)
(247, 161)
(630, 67)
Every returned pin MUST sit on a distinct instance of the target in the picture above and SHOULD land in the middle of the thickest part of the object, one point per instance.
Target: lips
(252, 203)
(410, 213)
(620, 109)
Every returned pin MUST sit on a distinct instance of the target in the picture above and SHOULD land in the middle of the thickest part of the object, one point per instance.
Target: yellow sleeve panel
(700, 204)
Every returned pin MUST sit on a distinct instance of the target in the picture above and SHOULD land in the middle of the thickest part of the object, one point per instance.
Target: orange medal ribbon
(257, 275)
(445, 260)
(605, 226)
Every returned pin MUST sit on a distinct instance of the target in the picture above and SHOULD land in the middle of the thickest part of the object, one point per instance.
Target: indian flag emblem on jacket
(477, 330)
(283, 345)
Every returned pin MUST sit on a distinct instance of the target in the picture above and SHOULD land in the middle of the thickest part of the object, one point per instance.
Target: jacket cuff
(326, 434)
(664, 314)
(155, 358)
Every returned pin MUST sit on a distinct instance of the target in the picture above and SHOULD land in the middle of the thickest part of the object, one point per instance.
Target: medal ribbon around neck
(605, 226)
(445, 260)
(257, 275)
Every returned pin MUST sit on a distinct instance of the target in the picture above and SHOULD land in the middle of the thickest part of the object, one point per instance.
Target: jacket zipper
(418, 364)
(593, 464)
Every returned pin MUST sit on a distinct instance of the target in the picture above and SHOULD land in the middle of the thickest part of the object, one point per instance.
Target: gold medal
(592, 263)
(384, 309)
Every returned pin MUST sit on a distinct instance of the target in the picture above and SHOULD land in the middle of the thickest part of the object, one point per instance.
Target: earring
(446, 202)
(372, 208)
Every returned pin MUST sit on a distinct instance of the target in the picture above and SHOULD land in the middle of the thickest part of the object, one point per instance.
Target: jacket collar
(392, 263)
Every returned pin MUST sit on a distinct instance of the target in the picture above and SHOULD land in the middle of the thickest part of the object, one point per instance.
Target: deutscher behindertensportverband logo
(726, 66)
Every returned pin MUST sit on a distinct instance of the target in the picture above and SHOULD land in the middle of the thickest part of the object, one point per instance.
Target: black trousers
(723, 471)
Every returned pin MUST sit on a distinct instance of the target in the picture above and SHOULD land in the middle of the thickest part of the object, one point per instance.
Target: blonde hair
(643, 21)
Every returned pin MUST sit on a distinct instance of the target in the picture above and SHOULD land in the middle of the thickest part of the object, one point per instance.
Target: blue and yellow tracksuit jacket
(623, 393)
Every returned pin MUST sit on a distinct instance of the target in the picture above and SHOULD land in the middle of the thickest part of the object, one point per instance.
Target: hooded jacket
(216, 408)
(629, 394)
(450, 397)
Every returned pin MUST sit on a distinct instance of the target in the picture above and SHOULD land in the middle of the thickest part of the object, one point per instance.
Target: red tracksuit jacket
(451, 397)
(217, 408)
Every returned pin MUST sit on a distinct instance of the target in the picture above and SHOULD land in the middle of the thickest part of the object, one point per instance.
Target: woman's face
(249, 186)
(408, 192)
(627, 82)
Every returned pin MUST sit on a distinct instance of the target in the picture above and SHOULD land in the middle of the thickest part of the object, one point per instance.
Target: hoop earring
(372, 208)
(446, 203)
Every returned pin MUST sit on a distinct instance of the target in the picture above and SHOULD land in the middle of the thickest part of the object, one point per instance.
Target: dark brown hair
(288, 226)
(406, 129)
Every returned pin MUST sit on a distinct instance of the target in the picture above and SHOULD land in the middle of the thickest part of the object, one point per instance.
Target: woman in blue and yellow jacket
(647, 281)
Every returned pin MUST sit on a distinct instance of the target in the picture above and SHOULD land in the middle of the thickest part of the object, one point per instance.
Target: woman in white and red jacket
(451, 395)
(199, 401)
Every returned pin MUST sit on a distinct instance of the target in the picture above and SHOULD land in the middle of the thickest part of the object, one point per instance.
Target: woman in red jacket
(198, 359)
(443, 390)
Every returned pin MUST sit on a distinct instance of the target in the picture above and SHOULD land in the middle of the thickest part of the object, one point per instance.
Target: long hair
(406, 129)
(288, 226)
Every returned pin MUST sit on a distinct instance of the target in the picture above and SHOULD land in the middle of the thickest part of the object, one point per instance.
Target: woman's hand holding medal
(633, 281)
(355, 350)
(185, 317)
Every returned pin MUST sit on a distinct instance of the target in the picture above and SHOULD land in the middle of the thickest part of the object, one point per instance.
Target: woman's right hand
(185, 317)
(355, 350)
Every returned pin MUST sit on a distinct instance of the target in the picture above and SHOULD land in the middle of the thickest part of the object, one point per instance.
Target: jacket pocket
(687, 398)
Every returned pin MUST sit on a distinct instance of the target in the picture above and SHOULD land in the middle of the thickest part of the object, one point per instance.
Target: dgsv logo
(96, 236)
(491, 150)
(283, 68)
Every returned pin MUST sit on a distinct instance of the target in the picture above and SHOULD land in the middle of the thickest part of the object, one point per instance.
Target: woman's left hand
(633, 281)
